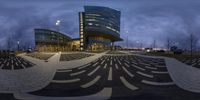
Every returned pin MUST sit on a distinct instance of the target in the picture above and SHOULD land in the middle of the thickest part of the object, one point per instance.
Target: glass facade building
(99, 27)
(50, 41)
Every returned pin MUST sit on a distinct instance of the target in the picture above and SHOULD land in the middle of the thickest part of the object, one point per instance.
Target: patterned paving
(130, 77)
(115, 52)
(74, 56)
(7, 96)
(195, 62)
(41, 56)
(14, 63)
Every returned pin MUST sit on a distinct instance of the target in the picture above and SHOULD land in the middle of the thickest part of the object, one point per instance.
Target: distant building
(99, 28)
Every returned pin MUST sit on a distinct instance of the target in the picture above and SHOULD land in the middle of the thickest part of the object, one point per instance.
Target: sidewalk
(30, 79)
(38, 76)
(79, 62)
(185, 76)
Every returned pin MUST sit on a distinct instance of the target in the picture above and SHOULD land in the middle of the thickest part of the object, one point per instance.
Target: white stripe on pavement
(116, 66)
(95, 64)
(77, 73)
(94, 71)
(160, 66)
(138, 67)
(91, 82)
(119, 62)
(144, 74)
(110, 74)
(127, 84)
(151, 67)
(157, 83)
(159, 72)
(66, 81)
(84, 66)
(111, 62)
(105, 66)
(104, 94)
(63, 70)
(126, 65)
(129, 73)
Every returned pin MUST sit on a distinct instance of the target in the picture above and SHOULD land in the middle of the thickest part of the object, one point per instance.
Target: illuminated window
(90, 24)
(82, 44)
(108, 27)
(90, 19)
(81, 32)
(81, 36)
(81, 40)
(110, 24)
(93, 14)
(81, 16)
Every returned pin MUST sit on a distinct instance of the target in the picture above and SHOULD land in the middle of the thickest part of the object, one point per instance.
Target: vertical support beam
(81, 30)
(112, 46)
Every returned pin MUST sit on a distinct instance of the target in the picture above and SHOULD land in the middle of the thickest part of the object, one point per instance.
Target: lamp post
(18, 42)
(137, 42)
(58, 27)
(127, 39)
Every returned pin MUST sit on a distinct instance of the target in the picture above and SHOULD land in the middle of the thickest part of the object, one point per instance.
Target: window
(93, 14)
(90, 19)
(90, 23)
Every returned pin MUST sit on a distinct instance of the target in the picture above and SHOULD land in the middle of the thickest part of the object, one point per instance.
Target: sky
(145, 21)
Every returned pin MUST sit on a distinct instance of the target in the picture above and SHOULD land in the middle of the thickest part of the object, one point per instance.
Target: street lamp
(58, 24)
(127, 39)
(18, 44)
(137, 44)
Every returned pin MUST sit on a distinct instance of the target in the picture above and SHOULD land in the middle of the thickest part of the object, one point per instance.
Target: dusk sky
(145, 20)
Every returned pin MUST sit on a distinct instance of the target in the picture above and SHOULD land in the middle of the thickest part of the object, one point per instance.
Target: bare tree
(168, 44)
(8, 42)
(154, 44)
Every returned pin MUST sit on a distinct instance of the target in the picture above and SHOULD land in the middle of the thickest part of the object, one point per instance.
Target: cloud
(145, 20)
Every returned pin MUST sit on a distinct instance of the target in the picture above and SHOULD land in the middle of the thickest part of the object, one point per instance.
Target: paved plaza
(14, 63)
(42, 56)
(103, 76)
(195, 62)
(73, 56)
(115, 52)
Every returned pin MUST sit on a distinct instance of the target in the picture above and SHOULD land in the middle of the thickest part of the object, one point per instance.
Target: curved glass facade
(49, 36)
(104, 20)
(50, 41)
(99, 26)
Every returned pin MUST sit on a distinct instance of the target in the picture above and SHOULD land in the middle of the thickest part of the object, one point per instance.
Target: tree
(168, 44)
(154, 44)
